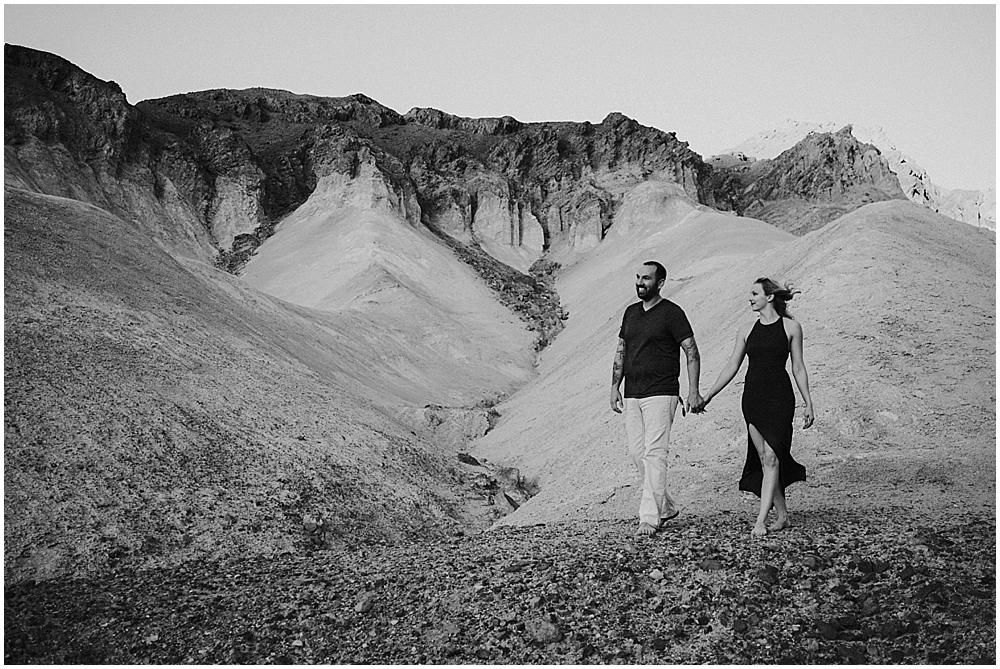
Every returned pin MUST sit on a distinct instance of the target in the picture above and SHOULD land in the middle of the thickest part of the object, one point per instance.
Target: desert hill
(969, 206)
(158, 409)
(231, 315)
(428, 316)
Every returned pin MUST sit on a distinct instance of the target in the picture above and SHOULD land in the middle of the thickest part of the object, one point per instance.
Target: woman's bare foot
(779, 524)
(645, 530)
(759, 529)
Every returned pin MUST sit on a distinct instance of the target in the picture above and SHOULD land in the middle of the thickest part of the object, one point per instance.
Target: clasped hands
(695, 403)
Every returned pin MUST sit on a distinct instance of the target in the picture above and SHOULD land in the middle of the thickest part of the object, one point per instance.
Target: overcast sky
(713, 74)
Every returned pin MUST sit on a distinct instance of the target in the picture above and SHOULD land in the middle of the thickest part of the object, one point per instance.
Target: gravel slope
(838, 588)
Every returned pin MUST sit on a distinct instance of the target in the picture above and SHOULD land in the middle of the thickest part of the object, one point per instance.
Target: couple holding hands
(648, 359)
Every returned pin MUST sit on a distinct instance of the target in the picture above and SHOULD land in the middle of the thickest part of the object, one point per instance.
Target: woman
(768, 400)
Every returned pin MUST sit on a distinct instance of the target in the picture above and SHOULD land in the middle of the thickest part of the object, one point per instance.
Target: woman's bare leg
(770, 486)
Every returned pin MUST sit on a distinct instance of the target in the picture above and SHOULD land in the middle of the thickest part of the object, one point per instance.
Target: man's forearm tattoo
(691, 349)
(618, 373)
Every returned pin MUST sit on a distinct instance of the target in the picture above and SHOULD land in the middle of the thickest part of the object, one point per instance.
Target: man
(648, 359)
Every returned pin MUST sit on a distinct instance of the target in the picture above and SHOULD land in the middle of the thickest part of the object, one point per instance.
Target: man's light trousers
(647, 426)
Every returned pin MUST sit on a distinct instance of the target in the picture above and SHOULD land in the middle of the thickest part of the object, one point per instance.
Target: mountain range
(256, 322)
(976, 207)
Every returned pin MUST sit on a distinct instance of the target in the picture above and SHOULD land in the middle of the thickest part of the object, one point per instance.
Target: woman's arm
(732, 366)
(799, 370)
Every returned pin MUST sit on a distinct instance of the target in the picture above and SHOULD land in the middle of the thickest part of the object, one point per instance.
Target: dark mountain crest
(236, 162)
(53, 100)
(265, 104)
(439, 120)
(834, 164)
(823, 177)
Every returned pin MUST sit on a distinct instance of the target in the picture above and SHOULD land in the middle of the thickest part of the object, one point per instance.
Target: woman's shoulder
(792, 326)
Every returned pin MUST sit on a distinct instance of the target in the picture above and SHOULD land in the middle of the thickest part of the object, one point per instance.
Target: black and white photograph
(500, 334)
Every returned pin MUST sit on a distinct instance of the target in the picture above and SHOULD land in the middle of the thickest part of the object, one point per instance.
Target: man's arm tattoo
(691, 350)
(618, 373)
(694, 363)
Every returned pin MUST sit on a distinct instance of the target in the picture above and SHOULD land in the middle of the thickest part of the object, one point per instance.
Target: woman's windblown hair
(781, 295)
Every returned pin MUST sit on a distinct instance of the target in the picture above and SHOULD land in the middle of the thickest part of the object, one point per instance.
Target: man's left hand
(695, 402)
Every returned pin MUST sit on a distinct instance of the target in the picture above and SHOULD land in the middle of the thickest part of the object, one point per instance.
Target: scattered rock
(516, 566)
(543, 631)
(891, 629)
(865, 566)
(365, 603)
(926, 590)
(768, 574)
(469, 460)
(828, 631)
(846, 622)
(709, 564)
(504, 503)
(852, 654)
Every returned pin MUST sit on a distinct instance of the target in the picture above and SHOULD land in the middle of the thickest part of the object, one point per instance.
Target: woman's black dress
(769, 405)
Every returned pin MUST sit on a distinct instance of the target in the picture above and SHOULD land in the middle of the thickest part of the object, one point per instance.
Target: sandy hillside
(413, 305)
(898, 309)
(158, 410)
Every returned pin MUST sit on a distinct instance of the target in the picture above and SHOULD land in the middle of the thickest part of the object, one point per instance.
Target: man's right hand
(696, 403)
(616, 401)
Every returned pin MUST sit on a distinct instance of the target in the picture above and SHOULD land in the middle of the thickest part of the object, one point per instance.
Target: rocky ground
(839, 587)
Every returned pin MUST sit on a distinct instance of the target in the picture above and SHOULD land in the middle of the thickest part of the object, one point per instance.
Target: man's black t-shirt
(652, 348)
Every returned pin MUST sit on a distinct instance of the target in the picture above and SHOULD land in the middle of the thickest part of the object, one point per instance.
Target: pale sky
(713, 74)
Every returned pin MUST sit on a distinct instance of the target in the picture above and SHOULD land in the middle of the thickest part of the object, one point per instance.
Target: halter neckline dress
(769, 405)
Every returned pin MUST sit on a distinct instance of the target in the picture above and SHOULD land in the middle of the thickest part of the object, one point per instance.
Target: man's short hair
(661, 271)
